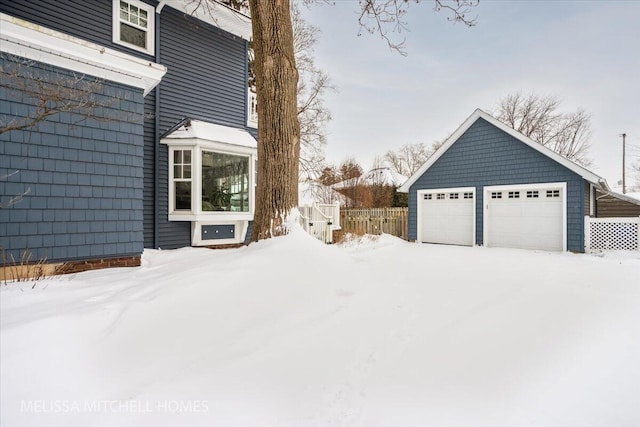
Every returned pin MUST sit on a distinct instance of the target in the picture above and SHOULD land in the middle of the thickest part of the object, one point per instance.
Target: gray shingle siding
(84, 179)
(485, 155)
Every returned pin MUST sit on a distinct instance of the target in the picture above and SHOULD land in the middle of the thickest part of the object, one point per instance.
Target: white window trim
(197, 214)
(172, 188)
(562, 186)
(151, 15)
(420, 196)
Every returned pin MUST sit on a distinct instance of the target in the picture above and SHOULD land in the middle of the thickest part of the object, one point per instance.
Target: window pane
(183, 196)
(135, 36)
(124, 6)
(177, 171)
(187, 171)
(187, 157)
(225, 182)
(177, 157)
(143, 23)
(124, 15)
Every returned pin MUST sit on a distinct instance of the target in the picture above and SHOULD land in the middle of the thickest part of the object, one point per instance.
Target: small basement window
(532, 194)
(514, 194)
(496, 195)
(133, 25)
(553, 193)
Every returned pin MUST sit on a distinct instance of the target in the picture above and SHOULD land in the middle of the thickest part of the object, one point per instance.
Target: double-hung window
(133, 25)
(181, 180)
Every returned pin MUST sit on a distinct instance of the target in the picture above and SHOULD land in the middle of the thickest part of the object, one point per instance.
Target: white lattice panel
(611, 234)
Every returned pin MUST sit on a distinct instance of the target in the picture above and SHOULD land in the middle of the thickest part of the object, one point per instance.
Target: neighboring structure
(171, 163)
(490, 185)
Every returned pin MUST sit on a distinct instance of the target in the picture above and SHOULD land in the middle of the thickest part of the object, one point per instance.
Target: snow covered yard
(290, 332)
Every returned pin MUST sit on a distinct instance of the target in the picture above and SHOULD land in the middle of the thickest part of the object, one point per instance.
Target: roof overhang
(598, 181)
(189, 132)
(35, 42)
(215, 14)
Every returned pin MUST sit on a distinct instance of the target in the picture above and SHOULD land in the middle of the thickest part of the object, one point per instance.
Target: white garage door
(446, 216)
(525, 217)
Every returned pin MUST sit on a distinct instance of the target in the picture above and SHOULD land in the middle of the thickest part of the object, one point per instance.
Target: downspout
(156, 137)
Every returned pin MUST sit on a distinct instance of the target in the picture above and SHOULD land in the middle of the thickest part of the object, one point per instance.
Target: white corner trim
(26, 39)
(478, 113)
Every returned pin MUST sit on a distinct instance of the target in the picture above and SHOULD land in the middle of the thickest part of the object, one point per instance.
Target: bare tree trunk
(278, 129)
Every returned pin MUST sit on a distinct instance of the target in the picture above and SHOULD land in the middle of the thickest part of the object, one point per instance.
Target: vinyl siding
(206, 80)
(612, 207)
(484, 156)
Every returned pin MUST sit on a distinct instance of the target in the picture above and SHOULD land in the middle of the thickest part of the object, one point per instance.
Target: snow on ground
(290, 332)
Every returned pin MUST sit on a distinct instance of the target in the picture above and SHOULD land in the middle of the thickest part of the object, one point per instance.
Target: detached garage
(490, 185)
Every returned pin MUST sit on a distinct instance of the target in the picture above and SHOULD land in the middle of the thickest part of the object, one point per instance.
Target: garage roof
(479, 114)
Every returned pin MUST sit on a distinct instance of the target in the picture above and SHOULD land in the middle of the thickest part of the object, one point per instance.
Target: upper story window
(133, 25)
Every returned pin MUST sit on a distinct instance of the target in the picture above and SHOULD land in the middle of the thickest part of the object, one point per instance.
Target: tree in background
(407, 159)
(313, 115)
(538, 117)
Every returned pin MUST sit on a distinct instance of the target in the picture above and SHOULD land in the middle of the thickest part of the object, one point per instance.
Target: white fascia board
(217, 15)
(584, 173)
(26, 39)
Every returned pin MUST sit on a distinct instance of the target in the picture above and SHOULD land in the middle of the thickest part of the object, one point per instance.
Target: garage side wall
(485, 155)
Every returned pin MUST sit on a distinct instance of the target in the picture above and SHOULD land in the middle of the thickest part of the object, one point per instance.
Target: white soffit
(211, 132)
(28, 40)
(584, 173)
(216, 14)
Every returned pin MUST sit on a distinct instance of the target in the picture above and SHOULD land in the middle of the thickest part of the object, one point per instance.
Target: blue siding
(84, 179)
(485, 155)
(89, 20)
(206, 80)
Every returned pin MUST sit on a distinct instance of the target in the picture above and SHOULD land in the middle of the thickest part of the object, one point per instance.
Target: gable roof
(479, 114)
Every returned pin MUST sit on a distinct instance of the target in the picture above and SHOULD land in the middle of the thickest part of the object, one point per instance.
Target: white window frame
(172, 181)
(151, 15)
(196, 213)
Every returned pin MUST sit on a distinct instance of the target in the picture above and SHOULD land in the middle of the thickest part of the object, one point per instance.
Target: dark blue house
(490, 185)
(164, 158)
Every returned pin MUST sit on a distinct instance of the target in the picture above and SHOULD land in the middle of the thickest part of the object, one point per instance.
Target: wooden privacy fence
(375, 221)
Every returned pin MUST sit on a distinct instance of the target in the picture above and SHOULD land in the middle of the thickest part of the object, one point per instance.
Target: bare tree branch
(385, 17)
(538, 118)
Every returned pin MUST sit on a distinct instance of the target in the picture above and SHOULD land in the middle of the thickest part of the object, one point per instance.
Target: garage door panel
(447, 220)
(526, 218)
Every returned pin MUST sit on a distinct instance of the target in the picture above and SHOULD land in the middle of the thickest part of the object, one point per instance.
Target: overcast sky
(585, 52)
